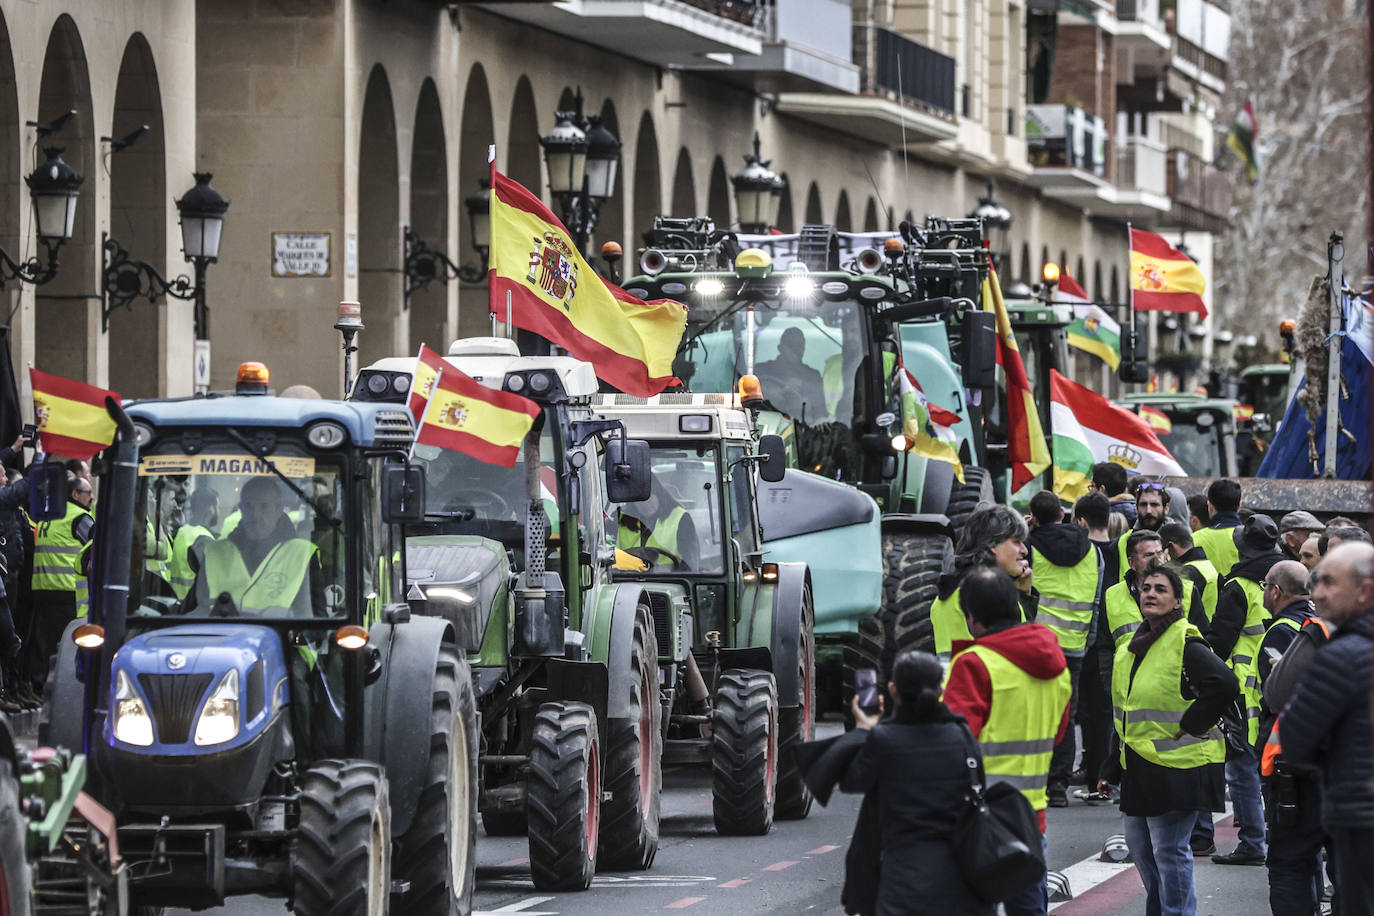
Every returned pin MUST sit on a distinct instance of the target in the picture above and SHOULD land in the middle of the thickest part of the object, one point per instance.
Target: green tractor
(563, 657)
(824, 320)
(1199, 431)
(736, 629)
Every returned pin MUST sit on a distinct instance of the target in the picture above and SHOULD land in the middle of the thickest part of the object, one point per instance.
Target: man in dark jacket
(1329, 722)
(1294, 529)
(1109, 479)
(1093, 512)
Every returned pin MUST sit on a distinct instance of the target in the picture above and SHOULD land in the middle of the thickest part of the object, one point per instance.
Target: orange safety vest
(1272, 748)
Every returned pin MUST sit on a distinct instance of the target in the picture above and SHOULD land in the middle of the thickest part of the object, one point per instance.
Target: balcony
(806, 48)
(666, 33)
(1067, 148)
(1200, 192)
(906, 92)
(1141, 37)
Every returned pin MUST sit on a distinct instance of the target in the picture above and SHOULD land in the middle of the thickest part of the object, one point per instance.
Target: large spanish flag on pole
(71, 416)
(1027, 453)
(466, 416)
(555, 293)
(1164, 279)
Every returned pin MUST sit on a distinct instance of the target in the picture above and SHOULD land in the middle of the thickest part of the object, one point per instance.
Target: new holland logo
(1124, 455)
(176, 661)
(553, 268)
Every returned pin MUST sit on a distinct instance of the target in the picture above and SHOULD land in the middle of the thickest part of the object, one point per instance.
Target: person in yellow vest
(1068, 570)
(204, 517)
(1195, 568)
(1237, 632)
(1152, 511)
(1169, 690)
(57, 548)
(1121, 601)
(1223, 513)
(1093, 512)
(263, 567)
(659, 532)
(994, 536)
(1012, 686)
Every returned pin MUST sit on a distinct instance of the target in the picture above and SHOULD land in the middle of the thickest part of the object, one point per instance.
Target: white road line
(520, 906)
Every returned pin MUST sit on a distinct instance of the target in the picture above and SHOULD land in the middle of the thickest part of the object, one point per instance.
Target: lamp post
(758, 192)
(996, 218)
(583, 158)
(423, 265)
(54, 187)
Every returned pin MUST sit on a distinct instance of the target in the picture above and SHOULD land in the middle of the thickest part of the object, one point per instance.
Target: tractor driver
(659, 532)
(263, 566)
(793, 386)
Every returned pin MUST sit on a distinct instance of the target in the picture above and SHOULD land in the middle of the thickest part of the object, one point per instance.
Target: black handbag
(996, 836)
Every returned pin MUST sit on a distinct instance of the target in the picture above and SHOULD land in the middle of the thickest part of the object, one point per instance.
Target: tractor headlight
(446, 593)
(132, 724)
(219, 717)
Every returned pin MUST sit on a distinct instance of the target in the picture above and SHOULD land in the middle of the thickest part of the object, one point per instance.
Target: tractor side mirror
(978, 349)
(48, 491)
(627, 470)
(403, 494)
(773, 453)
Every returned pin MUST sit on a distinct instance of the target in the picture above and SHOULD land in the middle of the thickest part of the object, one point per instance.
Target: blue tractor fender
(396, 718)
(785, 640)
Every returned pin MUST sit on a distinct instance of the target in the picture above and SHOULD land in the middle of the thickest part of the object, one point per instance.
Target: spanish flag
(428, 365)
(1164, 279)
(555, 293)
(71, 416)
(466, 416)
(1027, 452)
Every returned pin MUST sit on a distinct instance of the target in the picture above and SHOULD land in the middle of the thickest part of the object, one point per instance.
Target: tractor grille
(662, 609)
(393, 427)
(175, 701)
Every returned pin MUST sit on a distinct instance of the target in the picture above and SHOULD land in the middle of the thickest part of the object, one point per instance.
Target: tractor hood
(461, 577)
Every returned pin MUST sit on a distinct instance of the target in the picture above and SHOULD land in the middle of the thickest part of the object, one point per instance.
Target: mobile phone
(29, 432)
(866, 689)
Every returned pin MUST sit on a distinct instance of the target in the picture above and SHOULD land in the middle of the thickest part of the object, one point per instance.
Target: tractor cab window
(218, 534)
(466, 496)
(678, 528)
(1195, 446)
(809, 356)
(742, 527)
(381, 565)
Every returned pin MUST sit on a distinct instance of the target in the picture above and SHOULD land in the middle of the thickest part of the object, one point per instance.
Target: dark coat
(914, 778)
(1232, 604)
(1328, 722)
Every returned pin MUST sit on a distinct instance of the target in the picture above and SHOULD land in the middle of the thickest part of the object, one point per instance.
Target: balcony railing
(1173, 137)
(1190, 53)
(895, 66)
(1141, 165)
(748, 12)
(1201, 192)
(1063, 136)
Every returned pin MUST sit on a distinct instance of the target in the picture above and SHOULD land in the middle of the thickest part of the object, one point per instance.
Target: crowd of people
(1205, 652)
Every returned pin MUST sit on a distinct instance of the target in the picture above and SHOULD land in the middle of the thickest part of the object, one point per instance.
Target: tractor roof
(489, 359)
(665, 416)
(1179, 401)
(367, 424)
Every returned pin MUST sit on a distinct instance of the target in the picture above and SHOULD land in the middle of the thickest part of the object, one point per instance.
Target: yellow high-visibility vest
(1220, 547)
(276, 583)
(1211, 585)
(56, 552)
(663, 535)
(1123, 611)
(1244, 660)
(1066, 598)
(1148, 707)
(179, 567)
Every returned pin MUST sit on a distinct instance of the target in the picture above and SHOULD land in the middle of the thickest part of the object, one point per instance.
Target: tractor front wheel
(341, 857)
(563, 797)
(744, 752)
(797, 724)
(912, 566)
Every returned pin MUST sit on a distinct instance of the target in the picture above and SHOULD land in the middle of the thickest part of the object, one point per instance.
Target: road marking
(779, 866)
(822, 849)
(738, 882)
(520, 906)
(684, 903)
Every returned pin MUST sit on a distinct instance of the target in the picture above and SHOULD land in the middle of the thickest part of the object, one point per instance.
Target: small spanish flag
(466, 416)
(1243, 412)
(1164, 279)
(555, 293)
(71, 416)
(428, 365)
(1157, 418)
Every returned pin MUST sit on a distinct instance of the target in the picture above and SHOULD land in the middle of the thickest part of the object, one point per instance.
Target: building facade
(333, 125)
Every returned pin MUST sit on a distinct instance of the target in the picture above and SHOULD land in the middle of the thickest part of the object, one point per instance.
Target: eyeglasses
(1149, 486)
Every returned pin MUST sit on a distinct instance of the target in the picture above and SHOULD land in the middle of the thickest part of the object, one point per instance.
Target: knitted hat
(1258, 536)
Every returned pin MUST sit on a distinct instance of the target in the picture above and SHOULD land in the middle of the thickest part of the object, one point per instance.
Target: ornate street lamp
(758, 192)
(995, 218)
(603, 160)
(583, 158)
(54, 187)
(423, 265)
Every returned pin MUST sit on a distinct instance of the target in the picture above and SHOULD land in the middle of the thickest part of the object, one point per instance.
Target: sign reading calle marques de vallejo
(300, 254)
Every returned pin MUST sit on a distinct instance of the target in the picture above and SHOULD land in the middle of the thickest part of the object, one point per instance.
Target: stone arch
(684, 187)
(843, 221)
(567, 99)
(65, 314)
(1097, 280)
(871, 219)
(522, 143)
(786, 221)
(474, 136)
(379, 223)
(1081, 272)
(1064, 260)
(718, 196)
(1115, 287)
(1025, 262)
(813, 205)
(138, 221)
(429, 192)
(1044, 255)
(648, 193)
(611, 223)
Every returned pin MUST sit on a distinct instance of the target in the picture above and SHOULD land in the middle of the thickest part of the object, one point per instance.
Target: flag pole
(421, 425)
(1130, 293)
(491, 212)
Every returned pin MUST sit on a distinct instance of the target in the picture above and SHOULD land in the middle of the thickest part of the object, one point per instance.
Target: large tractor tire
(966, 497)
(436, 855)
(564, 797)
(863, 649)
(744, 752)
(634, 762)
(64, 698)
(912, 566)
(797, 724)
(341, 857)
(14, 869)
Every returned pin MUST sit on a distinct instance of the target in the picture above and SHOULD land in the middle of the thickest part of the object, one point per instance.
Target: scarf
(1152, 629)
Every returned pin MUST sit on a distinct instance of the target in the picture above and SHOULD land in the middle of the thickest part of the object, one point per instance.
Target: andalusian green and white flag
(1243, 139)
(1093, 330)
(1088, 428)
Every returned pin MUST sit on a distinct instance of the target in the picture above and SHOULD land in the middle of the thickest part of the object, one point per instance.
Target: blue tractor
(260, 709)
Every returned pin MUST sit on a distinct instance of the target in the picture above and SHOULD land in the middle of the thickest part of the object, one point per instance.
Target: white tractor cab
(519, 561)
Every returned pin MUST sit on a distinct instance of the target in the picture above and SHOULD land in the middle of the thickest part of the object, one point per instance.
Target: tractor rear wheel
(967, 496)
(634, 762)
(436, 854)
(14, 868)
(862, 649)
(341, 857)
(744, 752)
(912, 566)
(563, 797)
(797, 724)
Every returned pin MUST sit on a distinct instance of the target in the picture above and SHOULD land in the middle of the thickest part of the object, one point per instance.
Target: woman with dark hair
(993, 536)
(913, 769)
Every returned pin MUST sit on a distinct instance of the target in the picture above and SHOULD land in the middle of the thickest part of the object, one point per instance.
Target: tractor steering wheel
(485, 504)
(651, 556)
